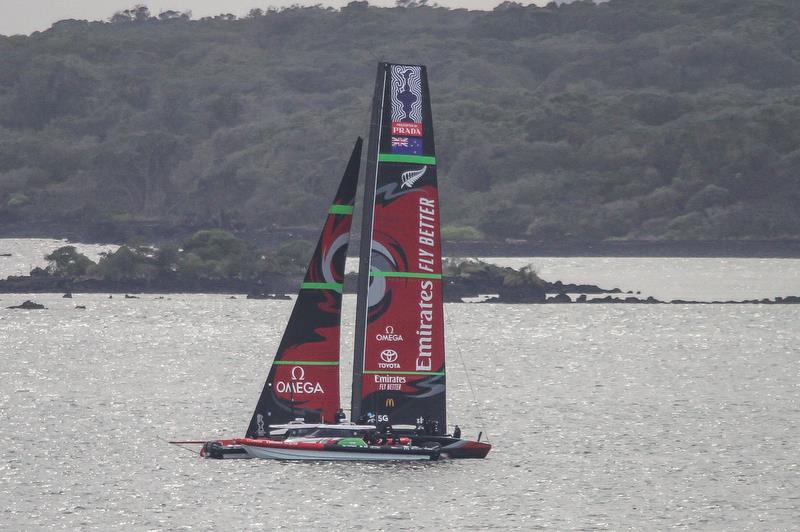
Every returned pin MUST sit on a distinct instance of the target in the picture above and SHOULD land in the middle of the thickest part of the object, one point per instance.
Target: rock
(232, 297)
(128, 296)
(581, 299)
(522, 293)
(68, 295)
(5, 254)
(80, 307)
(559, 287)
(560, 298)
(29, 305)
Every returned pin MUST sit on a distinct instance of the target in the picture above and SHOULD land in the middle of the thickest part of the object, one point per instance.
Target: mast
(365, 248)
(304, 377)
(399, 359)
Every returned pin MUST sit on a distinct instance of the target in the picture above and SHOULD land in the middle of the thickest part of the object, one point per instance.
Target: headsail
(399, 366)
(304, 378)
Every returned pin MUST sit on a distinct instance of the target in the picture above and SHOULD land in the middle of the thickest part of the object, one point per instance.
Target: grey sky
(26, 16)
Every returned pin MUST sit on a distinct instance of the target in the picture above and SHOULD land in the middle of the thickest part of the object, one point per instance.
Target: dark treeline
(669, 119)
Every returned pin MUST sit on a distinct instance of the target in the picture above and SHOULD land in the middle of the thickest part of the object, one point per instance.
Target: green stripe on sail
(306, 362)
(397, 158)
(416, 275)
(341, 209)
(322, 286)
(439, 373)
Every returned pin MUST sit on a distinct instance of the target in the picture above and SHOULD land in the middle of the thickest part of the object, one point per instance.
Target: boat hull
(282, 450)
(466, 449)
(223, 450)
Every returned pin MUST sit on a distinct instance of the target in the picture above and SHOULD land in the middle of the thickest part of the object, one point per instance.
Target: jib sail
(399, 363)
(304, 378)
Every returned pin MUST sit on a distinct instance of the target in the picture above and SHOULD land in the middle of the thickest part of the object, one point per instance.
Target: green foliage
(461, 232)
(622, 119)
(17, 199)
(484, 271)
(296, 252)
(217, 254)
(126, 263)
(66, 261)
(207, 255)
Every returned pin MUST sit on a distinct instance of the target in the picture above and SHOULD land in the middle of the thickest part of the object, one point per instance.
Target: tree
(67, 261)
(573, 120)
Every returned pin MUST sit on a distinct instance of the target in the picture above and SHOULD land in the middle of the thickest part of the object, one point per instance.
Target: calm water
(602, 417)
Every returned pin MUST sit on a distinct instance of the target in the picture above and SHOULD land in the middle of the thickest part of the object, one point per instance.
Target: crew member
(339, 416)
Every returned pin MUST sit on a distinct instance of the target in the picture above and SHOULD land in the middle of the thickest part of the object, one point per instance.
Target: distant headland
(215, 261)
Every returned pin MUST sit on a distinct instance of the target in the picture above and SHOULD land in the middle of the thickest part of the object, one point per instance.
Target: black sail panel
(399, 373)
(303, 380)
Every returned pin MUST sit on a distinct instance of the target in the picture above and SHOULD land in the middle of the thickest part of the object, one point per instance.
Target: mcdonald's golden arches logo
(390, 402)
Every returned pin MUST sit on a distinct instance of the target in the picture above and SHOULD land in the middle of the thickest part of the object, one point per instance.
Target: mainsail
(399, 363)
(304, 378)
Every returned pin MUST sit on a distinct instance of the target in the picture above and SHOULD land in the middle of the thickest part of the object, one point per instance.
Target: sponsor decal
(408, 178)
(389, 355)
(425, 330)
(298, 384)
(389, 382)
(407, 129)
(407, 145)
(406, 94)
(389, 402)
(388, 335)
(425, 262)
(260, 425)
(389, 359)
(426, 233)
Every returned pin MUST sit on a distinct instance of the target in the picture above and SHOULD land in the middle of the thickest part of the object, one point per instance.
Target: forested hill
(669, 119)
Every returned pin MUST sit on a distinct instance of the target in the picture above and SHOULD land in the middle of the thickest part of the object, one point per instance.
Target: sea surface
(643, 417)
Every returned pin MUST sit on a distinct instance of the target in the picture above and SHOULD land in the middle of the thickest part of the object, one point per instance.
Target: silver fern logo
(412, 176)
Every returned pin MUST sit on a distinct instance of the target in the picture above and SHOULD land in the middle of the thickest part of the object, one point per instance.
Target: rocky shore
(272, 237)
(160, 285)
(466, 281)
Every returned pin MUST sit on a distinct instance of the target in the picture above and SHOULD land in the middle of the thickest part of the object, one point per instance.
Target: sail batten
(303, 379)
(399, 362)
(417, 159)
(417, 275)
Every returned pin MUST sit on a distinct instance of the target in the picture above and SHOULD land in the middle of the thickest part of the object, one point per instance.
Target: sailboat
(399, 377)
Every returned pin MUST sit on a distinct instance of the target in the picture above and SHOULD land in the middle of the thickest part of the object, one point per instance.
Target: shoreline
(554, 293)
(109, 233)
(756, 249)
(561, 299)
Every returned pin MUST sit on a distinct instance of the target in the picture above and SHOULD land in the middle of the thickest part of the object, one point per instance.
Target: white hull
(272, 453)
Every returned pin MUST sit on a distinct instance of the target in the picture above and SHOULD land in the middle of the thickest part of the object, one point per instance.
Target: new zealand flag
(407, 145)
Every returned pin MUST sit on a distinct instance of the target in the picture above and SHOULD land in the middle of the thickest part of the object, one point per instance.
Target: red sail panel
(303, 380)
(403, 369)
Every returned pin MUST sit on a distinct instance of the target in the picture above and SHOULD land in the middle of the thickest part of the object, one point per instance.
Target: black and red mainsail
(304, 378)
(399, 364)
